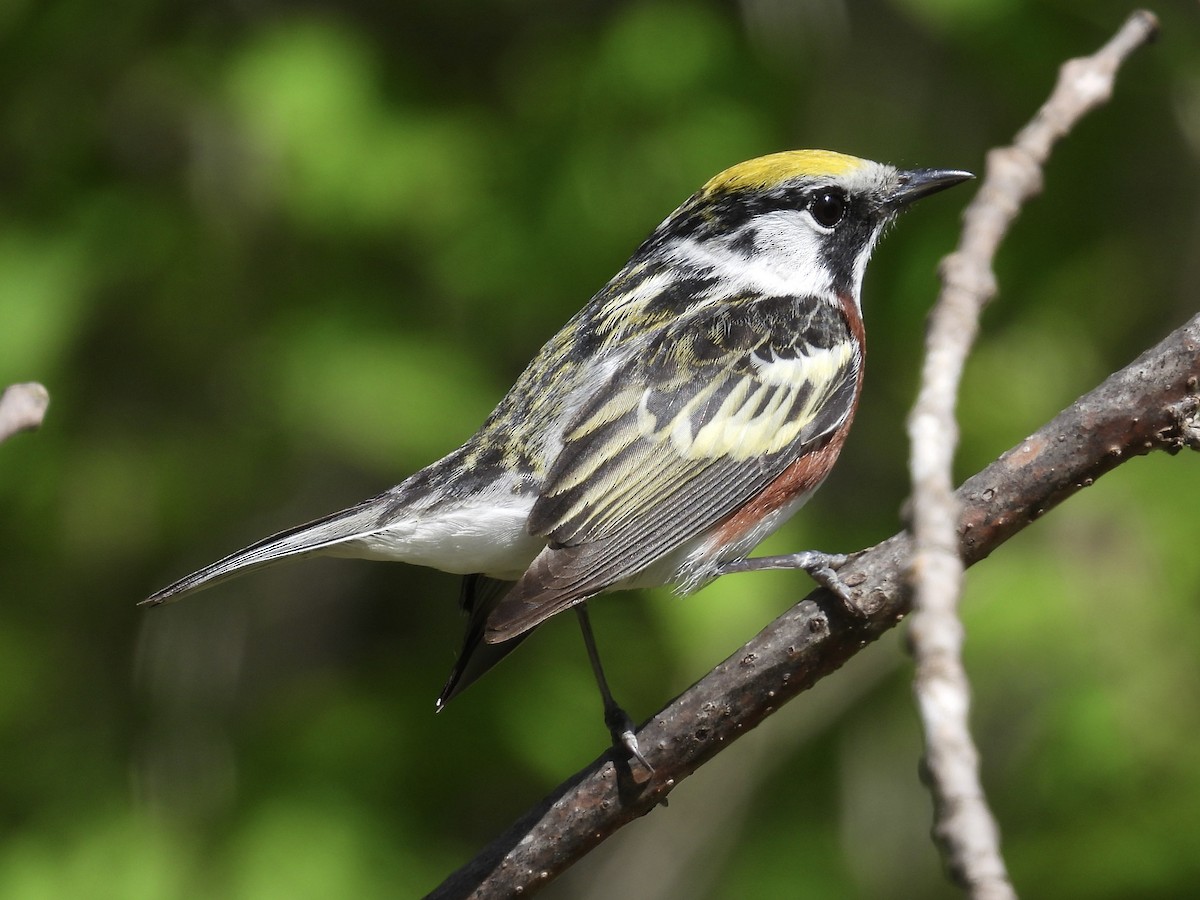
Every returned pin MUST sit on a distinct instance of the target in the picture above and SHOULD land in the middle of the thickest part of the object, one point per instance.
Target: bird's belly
(480, 538)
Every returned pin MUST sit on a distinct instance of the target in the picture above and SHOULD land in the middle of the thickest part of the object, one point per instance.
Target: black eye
(827, 207)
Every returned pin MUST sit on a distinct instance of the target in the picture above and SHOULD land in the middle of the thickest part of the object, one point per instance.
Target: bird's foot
(821, 568)
(620, 727)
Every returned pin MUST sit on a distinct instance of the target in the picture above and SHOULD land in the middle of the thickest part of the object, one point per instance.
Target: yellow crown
(767, 171)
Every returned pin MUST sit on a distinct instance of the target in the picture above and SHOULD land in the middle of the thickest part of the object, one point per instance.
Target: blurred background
(269, 258)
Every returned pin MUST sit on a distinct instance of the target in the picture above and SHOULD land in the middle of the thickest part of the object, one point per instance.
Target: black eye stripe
(827, 207)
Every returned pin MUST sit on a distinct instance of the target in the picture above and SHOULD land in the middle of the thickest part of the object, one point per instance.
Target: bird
(695, 403)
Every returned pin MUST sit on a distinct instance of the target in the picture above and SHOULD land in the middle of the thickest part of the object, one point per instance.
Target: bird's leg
(620, 726)
(821, 568)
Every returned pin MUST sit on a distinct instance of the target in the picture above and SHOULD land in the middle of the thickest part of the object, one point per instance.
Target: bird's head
(810, 216)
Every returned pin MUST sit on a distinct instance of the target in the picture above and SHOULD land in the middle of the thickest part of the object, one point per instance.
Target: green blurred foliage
(271, 258)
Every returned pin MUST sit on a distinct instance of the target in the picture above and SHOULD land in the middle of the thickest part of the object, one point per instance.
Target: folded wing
(713, 408)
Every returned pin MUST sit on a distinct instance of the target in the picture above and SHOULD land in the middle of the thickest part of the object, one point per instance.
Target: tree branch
(22, 407)
(1152, 404)
(964, 828)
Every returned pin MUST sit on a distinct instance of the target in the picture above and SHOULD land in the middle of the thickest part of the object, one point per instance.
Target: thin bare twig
(22, 408)
(964, 827)
(1151, 404)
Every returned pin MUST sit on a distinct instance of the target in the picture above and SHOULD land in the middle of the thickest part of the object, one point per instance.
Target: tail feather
(553, 582)
(318, 536)
(480, 595)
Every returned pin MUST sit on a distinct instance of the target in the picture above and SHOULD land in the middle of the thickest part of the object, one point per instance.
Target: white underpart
(487, 536)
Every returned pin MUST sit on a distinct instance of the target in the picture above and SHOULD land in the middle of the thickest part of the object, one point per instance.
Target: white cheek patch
(788, 260)
(791, 257)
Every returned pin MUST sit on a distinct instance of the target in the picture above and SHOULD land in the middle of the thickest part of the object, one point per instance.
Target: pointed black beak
(917, 183)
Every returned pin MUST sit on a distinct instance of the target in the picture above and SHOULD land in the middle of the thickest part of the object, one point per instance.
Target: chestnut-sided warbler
(693, 405)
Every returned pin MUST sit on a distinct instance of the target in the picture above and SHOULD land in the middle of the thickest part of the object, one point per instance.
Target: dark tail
(480, 595)
(317, 537)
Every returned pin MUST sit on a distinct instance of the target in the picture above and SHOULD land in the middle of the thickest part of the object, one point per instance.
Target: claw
(620, 727)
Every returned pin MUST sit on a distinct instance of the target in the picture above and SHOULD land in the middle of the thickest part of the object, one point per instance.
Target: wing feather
(682, 435)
